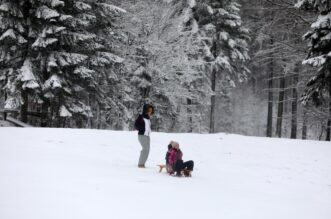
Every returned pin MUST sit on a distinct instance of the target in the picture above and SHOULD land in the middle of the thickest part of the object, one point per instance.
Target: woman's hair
(150, 108)
(147, 107)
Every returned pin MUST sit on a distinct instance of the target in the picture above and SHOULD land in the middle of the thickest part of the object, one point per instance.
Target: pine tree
(189, 68)
(17, 75)
(319, 55)
(65, 56)
(159, 66)
(222, 42)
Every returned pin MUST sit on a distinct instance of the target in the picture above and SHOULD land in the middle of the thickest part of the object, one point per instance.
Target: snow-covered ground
(85, 174)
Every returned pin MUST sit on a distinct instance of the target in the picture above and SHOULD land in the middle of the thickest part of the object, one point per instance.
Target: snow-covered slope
(78, 174)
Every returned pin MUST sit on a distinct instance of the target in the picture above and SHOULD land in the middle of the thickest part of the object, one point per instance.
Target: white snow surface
(72, 173)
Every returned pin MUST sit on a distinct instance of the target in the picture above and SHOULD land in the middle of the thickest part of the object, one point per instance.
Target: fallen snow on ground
(85, 174)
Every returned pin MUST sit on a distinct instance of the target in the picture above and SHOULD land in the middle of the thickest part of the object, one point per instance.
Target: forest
(250, 67)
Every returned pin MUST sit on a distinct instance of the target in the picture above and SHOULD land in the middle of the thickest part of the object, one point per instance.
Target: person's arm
(138, 124)
(167, 157)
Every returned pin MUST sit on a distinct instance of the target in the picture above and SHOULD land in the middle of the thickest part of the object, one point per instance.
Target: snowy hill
(78, 174)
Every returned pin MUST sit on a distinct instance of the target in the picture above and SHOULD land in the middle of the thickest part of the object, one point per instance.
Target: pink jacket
(175, 154)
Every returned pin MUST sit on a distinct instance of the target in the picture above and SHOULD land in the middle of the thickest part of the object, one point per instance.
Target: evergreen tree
(319, 55)
(65, 56)
(222, 41)
(16, 69)
(160, 67)
(188, 68)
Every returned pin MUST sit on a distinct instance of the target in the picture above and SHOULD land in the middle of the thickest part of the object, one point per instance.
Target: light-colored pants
(145, 144)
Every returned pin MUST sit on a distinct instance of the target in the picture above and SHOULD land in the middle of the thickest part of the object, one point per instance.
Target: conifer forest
(250, 67)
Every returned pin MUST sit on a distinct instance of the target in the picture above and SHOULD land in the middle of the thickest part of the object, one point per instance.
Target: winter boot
(187, 173)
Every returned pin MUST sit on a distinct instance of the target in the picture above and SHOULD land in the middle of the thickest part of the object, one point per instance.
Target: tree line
(202, 64)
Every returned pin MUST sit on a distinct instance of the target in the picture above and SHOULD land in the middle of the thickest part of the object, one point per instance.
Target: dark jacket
(140, 123)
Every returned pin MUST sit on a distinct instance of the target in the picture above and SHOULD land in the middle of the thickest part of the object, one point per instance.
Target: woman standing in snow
(143, 125)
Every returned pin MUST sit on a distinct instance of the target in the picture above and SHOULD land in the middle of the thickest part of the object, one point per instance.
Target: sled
(186, 173)
(161, 166)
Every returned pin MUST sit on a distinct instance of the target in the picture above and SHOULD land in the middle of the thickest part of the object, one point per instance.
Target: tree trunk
(26, 5)
(328, 130)
(57, 106)
(24, 107)
(215, 49)
(189, 114)
(270, 98)
(44, 114)
(5, 114)
(99, 122)
(280, 106)
(328, 127)
(270, 78)
(304, 123)
(294, 124)
(322, 131)
(212, 109)
(270, 93)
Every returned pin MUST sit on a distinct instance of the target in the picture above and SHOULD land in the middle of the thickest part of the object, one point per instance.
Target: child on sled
(175, 163)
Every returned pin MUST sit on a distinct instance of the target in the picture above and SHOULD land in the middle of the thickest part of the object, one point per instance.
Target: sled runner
(161, 167)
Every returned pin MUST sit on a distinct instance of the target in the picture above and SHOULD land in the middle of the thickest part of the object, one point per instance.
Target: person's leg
(178, 167)
(145, 144)
(188, 165)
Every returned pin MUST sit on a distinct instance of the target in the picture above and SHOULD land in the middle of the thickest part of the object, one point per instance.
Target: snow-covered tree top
(323, 21)
(84, 72)
(53, 3)
(64, 112)
(81, 6)
(111, 9)
(46, 13)
(105, 58)
(11, 35)
(323, 6)
(53, 82)
(26, 71)
(191, 3)
(12, 103)
(69, 59)
(11, 8)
